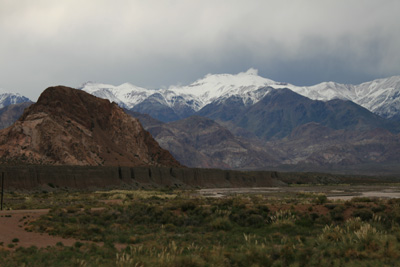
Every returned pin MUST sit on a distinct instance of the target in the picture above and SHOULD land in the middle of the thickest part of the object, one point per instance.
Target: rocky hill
(71, 127)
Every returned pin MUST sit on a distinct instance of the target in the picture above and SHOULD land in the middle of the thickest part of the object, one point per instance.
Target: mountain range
(381, 96)
(284, 131)
(245, 121)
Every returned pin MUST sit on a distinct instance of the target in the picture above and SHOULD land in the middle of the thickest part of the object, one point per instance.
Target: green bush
(337, 213)
(188, 205)
(379, 208)
(330, 206)
(363, 214)
(221, 223)
(305, 221)
(255, 220)
(321, 199)
(361, 199)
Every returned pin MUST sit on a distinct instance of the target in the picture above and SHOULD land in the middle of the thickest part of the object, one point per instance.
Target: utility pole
(2, 189)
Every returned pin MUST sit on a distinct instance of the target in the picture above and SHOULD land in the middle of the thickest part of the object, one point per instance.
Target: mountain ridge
(280, 111)
(343, 136)
(201, 142)
(381, 96)
(7, 98)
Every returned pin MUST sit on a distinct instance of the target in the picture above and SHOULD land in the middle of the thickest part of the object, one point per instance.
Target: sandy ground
(12, 226)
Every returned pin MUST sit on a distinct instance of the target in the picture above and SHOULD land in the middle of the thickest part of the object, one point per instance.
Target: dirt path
(12, 227)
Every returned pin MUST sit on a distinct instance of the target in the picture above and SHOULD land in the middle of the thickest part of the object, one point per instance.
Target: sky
(159, 43)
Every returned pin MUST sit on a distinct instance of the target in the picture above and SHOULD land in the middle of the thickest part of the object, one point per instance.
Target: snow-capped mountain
(125, 95)
(196, 95)
(247, 121)
(221, 86)
(379, 96)
(7, 99)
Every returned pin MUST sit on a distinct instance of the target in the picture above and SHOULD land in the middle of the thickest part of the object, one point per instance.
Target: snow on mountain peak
(196, 95)
(8, 98)
(222, 86)
(380, 96)
(126, 95)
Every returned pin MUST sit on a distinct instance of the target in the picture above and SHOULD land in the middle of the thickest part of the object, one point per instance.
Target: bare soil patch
(12, 227)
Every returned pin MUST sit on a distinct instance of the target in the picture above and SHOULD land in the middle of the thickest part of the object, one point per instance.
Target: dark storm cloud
(159, 43)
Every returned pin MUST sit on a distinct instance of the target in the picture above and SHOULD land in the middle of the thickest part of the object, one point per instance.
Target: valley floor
(301, 225)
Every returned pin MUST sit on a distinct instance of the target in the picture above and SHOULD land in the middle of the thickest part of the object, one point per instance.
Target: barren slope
(69, 126)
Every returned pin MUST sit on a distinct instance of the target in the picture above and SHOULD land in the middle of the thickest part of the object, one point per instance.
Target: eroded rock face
(71, 127)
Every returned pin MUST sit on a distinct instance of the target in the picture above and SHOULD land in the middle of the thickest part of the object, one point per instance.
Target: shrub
(314, 216)
(188, 205)
(379, 208)
(330, 206)
(78, 244)
(305, 221)
(332, 233)
(263, 208)
(363, 214)
(337, 213)
(321, 199)
(188, 261)
(283, 218)
(221, 223)
(361, 199)
(255, 220)
(366, 233)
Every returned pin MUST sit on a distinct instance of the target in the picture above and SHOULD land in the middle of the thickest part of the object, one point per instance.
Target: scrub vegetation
(181, 228)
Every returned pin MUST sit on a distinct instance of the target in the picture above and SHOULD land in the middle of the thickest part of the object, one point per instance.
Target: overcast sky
(158, 43)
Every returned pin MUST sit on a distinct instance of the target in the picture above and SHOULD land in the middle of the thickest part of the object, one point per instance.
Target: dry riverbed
(334, 192)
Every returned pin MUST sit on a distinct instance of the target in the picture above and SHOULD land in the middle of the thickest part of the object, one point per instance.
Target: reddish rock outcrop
(71, 127)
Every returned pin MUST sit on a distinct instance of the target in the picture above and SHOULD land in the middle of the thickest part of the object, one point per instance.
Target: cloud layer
(158, 43)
